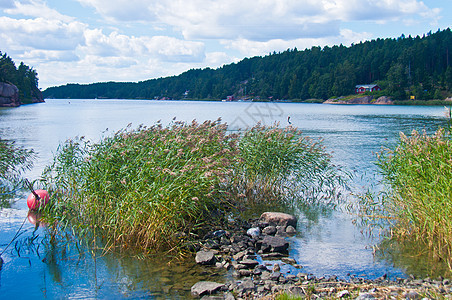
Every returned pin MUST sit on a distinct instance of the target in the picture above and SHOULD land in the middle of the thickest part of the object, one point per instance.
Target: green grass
(419, 171)
(157, 188)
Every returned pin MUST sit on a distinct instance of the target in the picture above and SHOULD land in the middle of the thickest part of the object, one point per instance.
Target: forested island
(17, 85)
(405, 68)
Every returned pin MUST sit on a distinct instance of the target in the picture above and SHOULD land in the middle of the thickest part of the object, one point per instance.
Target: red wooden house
(362, 88)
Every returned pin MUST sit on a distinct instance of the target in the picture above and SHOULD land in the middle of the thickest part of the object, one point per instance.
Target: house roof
(366, 86)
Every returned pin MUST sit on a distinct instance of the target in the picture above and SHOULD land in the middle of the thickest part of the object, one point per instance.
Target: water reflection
(327, 242)
(413, 258)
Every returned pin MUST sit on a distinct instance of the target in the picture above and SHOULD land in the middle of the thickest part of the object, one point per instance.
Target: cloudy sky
(84, 41)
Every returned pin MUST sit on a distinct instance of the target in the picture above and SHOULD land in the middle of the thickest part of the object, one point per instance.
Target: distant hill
(21, 81)
(403, 67)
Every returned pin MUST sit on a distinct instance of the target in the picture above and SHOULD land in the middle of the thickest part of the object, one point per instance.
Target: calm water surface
(327, 242)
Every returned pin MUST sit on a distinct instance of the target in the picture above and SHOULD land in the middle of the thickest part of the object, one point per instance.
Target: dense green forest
(402, 67)
(24, 77)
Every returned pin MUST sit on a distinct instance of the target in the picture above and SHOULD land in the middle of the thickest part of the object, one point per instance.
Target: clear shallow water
(327, 243)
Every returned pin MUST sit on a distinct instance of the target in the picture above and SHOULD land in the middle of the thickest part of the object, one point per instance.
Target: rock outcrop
(361, 100)
(9, 95)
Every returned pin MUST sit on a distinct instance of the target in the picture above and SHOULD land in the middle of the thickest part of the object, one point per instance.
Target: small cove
(327, 242)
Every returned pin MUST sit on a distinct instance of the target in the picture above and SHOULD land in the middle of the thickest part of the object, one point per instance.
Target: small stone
(276, 244)
(253, 232)
(343, 294)
(276, 268)
(205, 257)
(238, 266)
(229, 296)
(303, 276)
(246, 285)
(275, 276)
(289, 260)
(212, 298)
(281, 231)
(219, 233)
(412, 295)
(271, 255)
(238, 256)
(257, 272)
(365, 296)
(269, 230)
(205, 288)
(291, 230)
(245, 273)
(249, 263)
(266, 275)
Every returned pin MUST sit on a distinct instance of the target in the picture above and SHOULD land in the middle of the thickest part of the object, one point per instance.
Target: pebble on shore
(237, 249)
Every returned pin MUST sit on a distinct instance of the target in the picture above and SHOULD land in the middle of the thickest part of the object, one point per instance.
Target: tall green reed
(419, 172)
(13, 161)
(157, 187)
(283, 164)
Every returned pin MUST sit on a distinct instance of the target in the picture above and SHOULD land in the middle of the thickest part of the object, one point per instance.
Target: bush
(156, 188)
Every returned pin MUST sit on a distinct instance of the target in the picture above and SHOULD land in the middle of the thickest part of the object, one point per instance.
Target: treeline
(23, 77)
(402, 67)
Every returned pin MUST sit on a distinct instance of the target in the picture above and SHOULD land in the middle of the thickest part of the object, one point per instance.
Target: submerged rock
(205, 288)
(205, 257)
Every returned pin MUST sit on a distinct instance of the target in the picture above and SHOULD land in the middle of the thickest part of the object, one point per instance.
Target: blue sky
(84, 41)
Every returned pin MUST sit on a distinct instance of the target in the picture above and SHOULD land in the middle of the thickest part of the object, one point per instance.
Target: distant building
(362, 88)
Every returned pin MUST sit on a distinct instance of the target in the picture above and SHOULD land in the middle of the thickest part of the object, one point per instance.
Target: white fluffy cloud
(99, 42)
(256, 48)
(40, 33)
(259, 20)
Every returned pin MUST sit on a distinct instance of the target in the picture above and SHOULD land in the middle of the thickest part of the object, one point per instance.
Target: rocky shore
(361, 100)
(256, 255)
(9, 95)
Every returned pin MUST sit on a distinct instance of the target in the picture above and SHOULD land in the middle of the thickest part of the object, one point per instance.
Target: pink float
(34, 203)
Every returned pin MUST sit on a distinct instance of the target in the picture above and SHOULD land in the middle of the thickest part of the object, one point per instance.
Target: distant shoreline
(315, 101)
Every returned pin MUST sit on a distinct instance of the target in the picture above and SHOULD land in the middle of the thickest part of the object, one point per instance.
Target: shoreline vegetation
(418, 173)
(158, 188)
(13, 161)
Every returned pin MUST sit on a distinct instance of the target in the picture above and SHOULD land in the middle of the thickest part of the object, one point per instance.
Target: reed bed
(13, 161)
(419, 172)
(157, 188)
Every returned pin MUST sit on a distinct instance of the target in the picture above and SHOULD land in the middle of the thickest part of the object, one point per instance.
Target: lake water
(327, 242)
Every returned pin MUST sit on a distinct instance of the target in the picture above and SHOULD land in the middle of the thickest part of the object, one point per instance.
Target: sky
(85, 41)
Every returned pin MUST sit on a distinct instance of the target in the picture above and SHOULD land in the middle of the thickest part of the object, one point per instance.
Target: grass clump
(156, 188)
(13, 161)
(419, 171)
(283, 164)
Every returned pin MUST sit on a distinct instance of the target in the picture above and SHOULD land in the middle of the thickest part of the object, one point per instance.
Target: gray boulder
(274, 244)
(205, 288)
(278, 219)
(9, 95)
(205, 258)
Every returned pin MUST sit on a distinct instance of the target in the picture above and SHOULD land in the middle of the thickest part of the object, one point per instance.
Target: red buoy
(34, 203)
